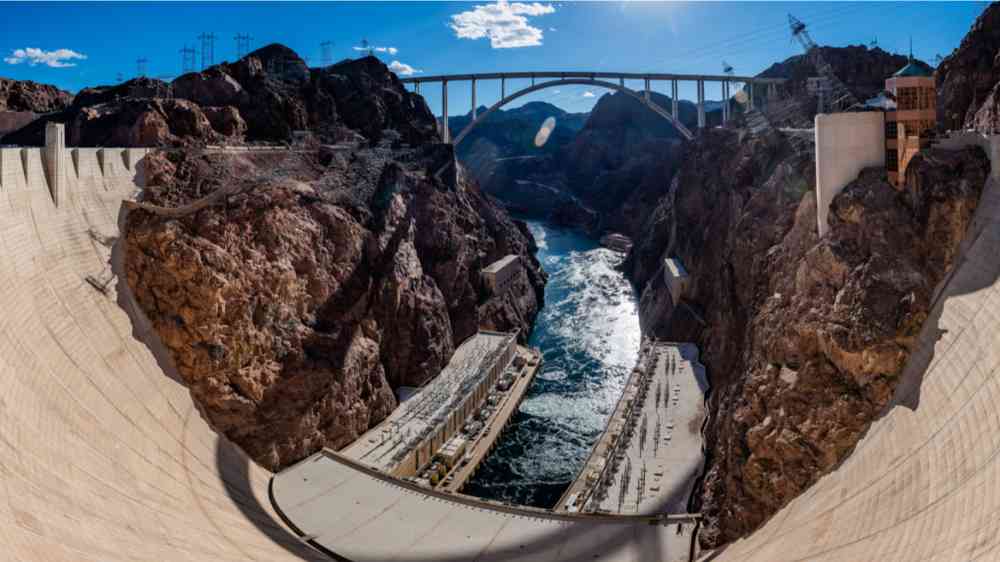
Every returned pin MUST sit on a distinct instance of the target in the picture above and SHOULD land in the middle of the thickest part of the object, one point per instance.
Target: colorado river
(589, 336)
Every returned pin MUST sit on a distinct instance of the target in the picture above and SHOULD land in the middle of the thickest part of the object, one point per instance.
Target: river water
(589, 336)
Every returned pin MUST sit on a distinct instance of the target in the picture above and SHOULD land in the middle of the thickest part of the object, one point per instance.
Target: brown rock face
(966, 78)
(295, 307)
(25, 95)
(140, 122)
(803, 337)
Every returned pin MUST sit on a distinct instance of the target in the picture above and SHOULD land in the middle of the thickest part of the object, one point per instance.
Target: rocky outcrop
(804, 337)
(967, 77)
(25, 95)
(296, 303)
(266, 96)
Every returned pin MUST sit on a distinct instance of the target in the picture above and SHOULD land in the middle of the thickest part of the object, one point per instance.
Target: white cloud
(403, 68)
(390, 50)
(552, 29)
(504, 23)
(34, 57)
(588, 94)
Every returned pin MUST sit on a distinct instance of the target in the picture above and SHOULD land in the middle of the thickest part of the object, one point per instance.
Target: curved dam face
(104, 457)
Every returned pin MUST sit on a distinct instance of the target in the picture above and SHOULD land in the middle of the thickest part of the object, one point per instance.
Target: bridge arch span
(576, 82)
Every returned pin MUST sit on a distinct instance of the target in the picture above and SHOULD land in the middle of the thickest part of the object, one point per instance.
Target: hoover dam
(106, 457)
(275, 310)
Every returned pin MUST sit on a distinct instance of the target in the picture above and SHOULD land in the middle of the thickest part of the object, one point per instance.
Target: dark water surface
(589, 335)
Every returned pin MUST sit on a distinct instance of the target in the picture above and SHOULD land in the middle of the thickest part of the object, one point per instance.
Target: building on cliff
(907, 127)
(499, 274)
(847, 143)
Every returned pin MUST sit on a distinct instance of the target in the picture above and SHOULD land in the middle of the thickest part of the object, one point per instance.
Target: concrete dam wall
(104, 457)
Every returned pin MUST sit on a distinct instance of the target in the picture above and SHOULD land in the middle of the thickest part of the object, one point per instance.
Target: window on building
(906, 98)
(891, 130)
(891, 160)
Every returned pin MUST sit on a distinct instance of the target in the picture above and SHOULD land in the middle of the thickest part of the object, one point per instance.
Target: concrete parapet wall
(64, 173)
(846, 143)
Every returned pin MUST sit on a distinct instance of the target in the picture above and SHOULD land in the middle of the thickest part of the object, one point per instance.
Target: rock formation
(25, 95)
(803, 337)
(266, 96)
(966, 79)
(296, 303)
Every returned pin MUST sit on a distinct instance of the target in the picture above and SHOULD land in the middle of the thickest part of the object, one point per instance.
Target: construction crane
(840, 97)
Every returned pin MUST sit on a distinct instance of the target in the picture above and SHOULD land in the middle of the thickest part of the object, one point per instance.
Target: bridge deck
(591, 74)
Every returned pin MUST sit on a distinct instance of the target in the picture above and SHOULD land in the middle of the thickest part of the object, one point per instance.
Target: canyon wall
(295, 290)
(804, 337)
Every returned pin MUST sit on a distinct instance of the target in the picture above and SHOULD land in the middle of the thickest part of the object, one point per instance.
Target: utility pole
(326, 50)
(119, 78)
(140, 66)
(207, 49)
(242, 45)
(187, 59)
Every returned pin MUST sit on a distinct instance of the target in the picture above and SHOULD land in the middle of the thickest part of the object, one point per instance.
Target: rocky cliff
(804, 337)
(266, 96)
(25, 95)
(296, 289)
(967, 79)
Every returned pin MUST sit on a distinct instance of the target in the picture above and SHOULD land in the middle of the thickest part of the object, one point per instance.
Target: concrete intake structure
(105, 458)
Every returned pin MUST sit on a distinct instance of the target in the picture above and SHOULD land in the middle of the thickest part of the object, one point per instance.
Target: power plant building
(421, 426)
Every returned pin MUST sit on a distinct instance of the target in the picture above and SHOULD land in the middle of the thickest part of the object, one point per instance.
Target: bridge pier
(750, 92)
(445, 133)
(646, 93)
(473, 98)
(701, 104)
(416, 87)
(673, 99)
(725, 101)
(621, 81)
(503, 88)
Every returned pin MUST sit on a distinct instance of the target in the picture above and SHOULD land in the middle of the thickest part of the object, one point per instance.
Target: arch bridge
(610, 80)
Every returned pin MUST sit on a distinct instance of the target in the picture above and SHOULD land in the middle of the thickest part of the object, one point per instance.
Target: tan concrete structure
(676, 278)
(499, 274)
(846, 143)
(416, 430)
(907, 127)
(103, 456)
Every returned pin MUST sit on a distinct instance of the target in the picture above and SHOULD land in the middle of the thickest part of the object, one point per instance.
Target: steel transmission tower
(207, 49)
(187, 59)
(242, 45)
(840, 97)
(140, 66)
(326, 48)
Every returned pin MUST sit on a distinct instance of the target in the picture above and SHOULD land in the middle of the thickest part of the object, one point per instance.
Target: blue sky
(448, 37)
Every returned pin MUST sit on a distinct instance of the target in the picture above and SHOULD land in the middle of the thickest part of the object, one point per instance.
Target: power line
(242, 45)
(187, 59)
(207, 49)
